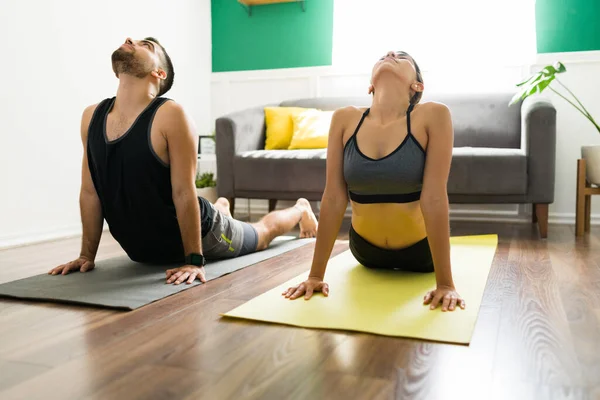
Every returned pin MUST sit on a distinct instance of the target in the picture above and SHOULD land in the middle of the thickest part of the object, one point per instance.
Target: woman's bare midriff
(389, 225)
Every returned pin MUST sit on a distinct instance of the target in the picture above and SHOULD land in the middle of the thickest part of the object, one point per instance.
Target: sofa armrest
(236, 133)
(538, 138)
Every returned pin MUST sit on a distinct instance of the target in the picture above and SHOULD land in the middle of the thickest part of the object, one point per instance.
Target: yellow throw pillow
(280, 127)
(311, 130)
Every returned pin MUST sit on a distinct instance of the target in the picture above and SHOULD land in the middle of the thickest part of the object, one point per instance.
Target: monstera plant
(547, 78)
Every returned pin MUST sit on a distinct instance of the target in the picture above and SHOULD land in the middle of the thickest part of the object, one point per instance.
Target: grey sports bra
(395, 178)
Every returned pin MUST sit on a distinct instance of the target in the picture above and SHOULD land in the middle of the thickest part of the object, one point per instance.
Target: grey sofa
(501, 154)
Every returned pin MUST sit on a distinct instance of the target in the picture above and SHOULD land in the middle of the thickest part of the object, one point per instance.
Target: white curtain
(446, 37)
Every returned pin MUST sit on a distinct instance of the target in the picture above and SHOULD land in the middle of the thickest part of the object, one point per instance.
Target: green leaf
(518, 96)
(549, 70)
(544, 84)
(538, 82)
(528, 79)
(532, 90)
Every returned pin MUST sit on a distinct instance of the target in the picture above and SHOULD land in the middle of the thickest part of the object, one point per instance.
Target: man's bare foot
(222, 204)
(308, 223)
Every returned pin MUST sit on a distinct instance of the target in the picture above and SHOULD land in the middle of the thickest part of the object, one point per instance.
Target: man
(138, 173)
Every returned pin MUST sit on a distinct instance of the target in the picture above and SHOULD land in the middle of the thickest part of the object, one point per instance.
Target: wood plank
(578, 276)
(450, 371)
(47, 347)
(14, 373)
(335, 386)
(535, 336)
(520, 390)
(535, 343)
(155, 382)
(189, 320)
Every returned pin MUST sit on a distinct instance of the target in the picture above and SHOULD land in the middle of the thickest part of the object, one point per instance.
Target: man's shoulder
(88, 111)
(172, 110)
(172, 116)
(88, 114)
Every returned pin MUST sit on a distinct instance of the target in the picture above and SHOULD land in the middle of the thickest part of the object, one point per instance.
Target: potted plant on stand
(206, 186)
(543, 79)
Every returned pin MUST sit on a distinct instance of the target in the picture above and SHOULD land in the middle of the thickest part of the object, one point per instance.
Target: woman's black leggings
(415, 258)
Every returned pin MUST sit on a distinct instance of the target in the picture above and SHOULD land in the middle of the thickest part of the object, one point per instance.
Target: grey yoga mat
(123, 284)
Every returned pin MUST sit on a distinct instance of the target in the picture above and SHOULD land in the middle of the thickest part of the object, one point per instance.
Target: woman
(393, 161)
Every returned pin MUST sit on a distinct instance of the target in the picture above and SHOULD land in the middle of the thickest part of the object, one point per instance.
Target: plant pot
(591, 155)
(209, 193)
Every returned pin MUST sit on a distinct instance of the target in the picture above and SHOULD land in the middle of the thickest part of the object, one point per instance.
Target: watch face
(196, 259)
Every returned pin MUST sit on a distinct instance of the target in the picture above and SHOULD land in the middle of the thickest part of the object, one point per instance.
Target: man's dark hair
(167, 65)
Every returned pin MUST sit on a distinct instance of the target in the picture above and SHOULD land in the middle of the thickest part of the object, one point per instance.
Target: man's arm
(182, 145)
(89, 208)
(89, 204)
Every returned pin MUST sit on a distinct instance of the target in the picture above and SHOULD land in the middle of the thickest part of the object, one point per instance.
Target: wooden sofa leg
(272, 204)
(541, 212)
(580, 209)
(534, 219)
(231, 205)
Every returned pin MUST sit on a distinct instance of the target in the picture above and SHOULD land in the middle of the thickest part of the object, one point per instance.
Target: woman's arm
(335, 197)
(333, 206)
(434, 203)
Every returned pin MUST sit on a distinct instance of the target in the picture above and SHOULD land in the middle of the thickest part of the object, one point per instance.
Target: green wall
(282, 36)
(274, 36)
(567, 25)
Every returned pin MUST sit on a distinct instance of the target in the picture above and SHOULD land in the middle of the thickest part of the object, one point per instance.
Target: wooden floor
(537, 336)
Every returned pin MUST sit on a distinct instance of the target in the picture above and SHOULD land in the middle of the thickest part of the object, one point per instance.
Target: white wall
(233, 91)
(55, 62)
(573, 129)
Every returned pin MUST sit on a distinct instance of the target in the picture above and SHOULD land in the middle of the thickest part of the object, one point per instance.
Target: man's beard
(125, 62)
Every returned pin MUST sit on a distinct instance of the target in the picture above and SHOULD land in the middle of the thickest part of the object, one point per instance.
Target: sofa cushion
(311, 130)
(283, 170)
(482, 120)
(478, 170)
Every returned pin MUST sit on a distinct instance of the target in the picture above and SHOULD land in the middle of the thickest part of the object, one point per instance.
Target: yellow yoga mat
(384, 302)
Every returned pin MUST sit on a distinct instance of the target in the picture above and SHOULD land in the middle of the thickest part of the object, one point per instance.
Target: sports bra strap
(360, 123)
(410, 108)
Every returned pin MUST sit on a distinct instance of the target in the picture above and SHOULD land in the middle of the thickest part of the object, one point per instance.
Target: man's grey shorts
(228, 237)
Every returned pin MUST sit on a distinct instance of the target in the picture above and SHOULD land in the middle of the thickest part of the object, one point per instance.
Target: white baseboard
(38, 237)
(261, 207)
(8, 242)
(569, 219)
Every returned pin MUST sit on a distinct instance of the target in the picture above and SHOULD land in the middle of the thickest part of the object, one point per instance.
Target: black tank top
(134, 187)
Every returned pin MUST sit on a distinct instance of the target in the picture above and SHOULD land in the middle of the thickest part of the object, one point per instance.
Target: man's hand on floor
(187, 272)
(82, 264)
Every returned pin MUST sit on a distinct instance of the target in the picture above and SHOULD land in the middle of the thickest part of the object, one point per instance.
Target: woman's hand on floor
(82, 264)
(189, 272)
(307, 288)
(447, 296)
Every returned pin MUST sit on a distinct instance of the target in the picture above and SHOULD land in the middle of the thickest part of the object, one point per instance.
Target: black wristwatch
(195, 259)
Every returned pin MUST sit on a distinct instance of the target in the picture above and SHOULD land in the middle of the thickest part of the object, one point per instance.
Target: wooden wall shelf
(248, 4)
